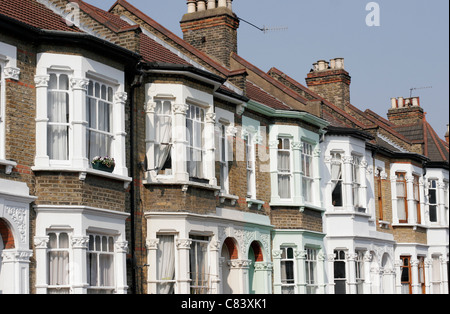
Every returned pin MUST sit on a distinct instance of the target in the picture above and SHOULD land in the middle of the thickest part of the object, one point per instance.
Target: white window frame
(160, 282)
(436, 203)
(250, 162)
(67, 124)
(356, 182)
(308, 179)
(223, 151)
(99, 286)
(9, 70)
(58, 288)
(359, 272)
(336, 159)
(192, 147)
(285, 172)
(286, 285)
(160, 160)
(200, 284)
(311, 270)
(95, 129)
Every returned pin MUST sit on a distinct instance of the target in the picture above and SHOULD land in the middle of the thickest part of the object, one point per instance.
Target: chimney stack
(405, 111)
(331, 81)
(211, 27)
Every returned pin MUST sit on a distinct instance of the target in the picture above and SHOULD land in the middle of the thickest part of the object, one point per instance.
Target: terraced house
(226, 179)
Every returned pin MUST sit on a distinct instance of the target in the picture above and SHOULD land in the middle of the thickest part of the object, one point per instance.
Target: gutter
(276, 113)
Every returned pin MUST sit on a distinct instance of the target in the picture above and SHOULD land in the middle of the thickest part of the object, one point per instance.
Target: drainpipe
(136, 84)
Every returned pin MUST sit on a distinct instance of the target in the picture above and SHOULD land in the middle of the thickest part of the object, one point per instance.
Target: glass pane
(52, 243)
(63, 82)
(63, 241)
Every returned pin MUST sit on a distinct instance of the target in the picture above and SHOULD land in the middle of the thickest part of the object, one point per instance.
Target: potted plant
(104, 163)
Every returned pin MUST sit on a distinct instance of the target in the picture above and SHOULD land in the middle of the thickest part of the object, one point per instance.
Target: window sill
(252, 202)
(9, 165)
(84, 172)
(383, 224)
(225, 196)
(184, 184)
(414, 226)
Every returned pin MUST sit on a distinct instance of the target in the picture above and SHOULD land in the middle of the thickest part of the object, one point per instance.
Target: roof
(259, 95)
(35, 14)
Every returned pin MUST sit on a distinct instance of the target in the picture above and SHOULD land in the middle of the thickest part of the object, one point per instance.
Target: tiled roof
(151, 51)
(259, 95)
(34, 14)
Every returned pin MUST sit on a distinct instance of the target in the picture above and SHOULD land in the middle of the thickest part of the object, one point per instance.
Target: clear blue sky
(409, 49)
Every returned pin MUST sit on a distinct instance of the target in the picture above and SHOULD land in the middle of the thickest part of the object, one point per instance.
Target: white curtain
(163, 134)
(401, 195)
(166, 264)
(336, 173)
(284, 177)
(58, 110)
(58, 260)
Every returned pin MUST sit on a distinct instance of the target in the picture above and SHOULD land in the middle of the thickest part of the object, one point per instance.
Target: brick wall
(292, 218)
(213, 31)
(333, 85)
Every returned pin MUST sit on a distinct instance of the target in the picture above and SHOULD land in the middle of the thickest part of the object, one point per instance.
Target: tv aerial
(417, 88)
(264, 29)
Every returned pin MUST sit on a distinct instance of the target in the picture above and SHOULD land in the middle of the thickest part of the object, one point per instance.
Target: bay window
(402, 196)
(284, 168)
(80, 114)
(58, 117)
(58, 263)
(307, 169)
(100, 264)
(195, 127)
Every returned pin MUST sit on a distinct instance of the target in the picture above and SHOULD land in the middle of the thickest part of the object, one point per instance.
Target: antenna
(417, 88)
(264, 29)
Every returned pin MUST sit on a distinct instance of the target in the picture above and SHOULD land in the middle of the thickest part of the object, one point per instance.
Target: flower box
(104, 164)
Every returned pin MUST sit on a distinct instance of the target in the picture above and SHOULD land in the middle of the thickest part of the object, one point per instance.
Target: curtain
(166, 264)
(401, 195)
(163, 134)
(58, 111)
(284, 177)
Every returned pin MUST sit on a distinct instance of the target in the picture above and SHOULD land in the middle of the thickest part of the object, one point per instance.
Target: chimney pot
(211, 4)
(201, 5)
(222, 3)
(415, 102)
(323, 65)
(191, 6)
(394, 103)
(333, 64)
(340, 63)
(401, 102)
